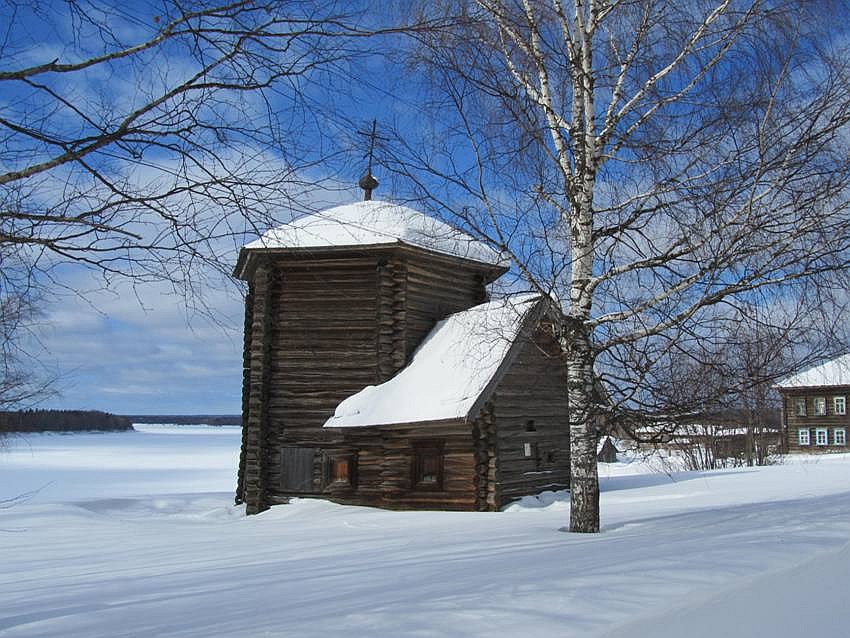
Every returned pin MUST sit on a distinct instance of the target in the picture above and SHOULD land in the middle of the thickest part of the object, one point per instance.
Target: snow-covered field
(134, 534)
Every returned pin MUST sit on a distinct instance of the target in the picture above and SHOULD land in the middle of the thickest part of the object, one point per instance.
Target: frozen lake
(155, 459)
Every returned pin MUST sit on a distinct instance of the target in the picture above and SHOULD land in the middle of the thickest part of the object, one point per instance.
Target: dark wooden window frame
(427, 460)
(334, 461)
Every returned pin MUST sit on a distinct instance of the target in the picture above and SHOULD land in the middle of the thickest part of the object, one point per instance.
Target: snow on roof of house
(372, 223)
(835, 372)
(448, 372)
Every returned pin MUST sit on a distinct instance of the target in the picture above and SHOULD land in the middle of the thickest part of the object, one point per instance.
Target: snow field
(136, 536)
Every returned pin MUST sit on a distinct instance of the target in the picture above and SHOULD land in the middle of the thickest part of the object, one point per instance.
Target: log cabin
(814, 408)
(378, 372)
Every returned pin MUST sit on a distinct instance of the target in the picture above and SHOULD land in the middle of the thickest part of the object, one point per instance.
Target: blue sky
(112, 353)
(142, 350)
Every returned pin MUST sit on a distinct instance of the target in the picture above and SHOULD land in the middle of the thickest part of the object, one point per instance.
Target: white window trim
(819, 401)
(825, 439)
(804, 437)
(843, 434)
(836, 401)
(800, 402)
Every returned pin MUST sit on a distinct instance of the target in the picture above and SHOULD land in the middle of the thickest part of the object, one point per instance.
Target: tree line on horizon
(63, 421)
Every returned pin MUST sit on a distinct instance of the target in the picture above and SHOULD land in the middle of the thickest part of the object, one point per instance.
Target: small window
(803, 436)
(800, 406)
(820, 406)
(821, 437)
(839, 436)
(340, 469)
(427, 471)
(839, 404)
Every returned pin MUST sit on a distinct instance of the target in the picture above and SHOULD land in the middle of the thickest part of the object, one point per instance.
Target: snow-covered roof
(835, 372)
(375, 223)
(447, 373)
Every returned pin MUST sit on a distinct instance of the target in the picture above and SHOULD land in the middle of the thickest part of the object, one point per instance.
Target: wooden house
(377, 372)
(814, 408)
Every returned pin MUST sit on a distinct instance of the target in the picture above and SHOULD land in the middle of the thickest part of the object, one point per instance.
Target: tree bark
(584, 480)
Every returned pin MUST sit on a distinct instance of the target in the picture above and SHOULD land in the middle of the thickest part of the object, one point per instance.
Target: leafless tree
(136, 140)
(653, 165)
(144, 140)
(718, 393)
(22, 381)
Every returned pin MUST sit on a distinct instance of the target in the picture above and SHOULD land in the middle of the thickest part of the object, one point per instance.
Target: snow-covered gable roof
(375, 223)
(448, 372)
(835, 372)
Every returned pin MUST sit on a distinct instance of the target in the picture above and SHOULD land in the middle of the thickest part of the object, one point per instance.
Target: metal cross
(368, 183)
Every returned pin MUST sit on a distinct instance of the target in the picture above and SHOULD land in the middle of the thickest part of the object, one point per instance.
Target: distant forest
(63, 421)
(188, 419)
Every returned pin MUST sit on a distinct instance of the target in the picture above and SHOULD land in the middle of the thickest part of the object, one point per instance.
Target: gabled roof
(455, 366)
(371, 224)
(834, 372)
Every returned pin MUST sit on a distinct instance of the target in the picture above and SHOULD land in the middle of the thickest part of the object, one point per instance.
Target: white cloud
(142, 351)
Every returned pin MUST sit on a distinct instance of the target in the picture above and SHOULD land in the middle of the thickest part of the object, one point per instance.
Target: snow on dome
(372, 223)
(447, 373)
(835, 372)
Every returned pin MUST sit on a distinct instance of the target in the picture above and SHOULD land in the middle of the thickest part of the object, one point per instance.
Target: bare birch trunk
(584, 480)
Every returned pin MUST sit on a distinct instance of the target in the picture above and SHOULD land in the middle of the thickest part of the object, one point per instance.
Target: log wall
(436, 289)
(391, 318)
(529, 406)
(253, 480)
(320, 328)
(485, 442)
(324, 350)
(246, 387)
(383, 460)
(385, 464)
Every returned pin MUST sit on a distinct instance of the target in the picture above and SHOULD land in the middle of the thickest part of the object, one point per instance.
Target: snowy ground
(135, 535)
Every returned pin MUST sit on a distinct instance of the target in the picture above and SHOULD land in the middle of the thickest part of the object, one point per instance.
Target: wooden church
(377, 371)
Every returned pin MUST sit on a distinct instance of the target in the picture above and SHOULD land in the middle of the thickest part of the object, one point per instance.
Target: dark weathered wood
(297, 469)
(255, 423)
(530, 406)
(325, 325)
(246, 386)
(435, 291)
(486, 460)
(391, 318)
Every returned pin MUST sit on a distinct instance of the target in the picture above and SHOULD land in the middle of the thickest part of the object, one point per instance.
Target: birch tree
(649, 164)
